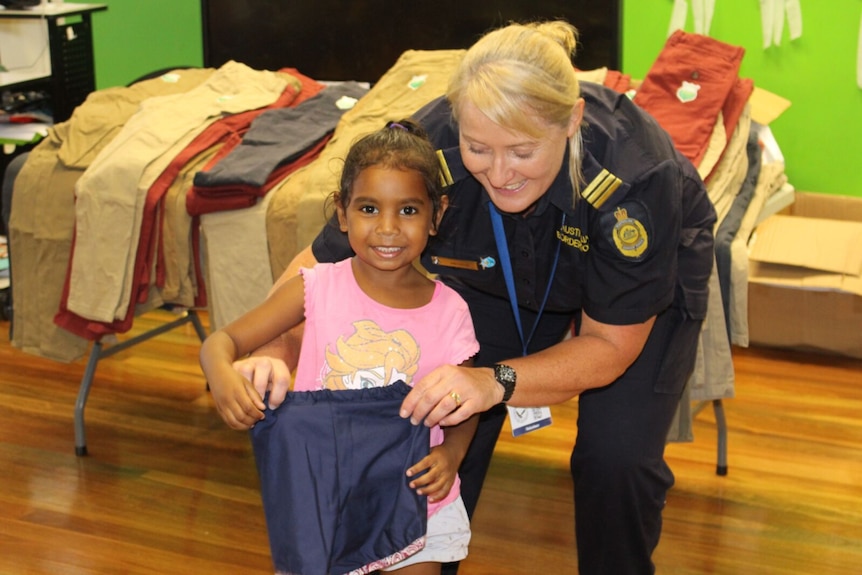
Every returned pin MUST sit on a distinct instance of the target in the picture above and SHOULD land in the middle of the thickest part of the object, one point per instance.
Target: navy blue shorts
(332, 470)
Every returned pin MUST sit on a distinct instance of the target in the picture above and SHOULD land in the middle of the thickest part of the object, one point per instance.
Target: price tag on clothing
(527, 419)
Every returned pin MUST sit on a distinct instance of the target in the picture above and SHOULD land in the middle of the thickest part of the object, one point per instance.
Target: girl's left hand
(439, 469)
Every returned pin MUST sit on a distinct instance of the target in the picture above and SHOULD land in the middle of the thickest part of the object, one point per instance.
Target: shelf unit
(49, 48)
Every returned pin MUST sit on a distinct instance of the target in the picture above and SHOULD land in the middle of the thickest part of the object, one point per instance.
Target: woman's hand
(451, 394)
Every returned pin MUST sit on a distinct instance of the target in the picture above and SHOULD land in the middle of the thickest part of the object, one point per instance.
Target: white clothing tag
(773, 14)
(710, 10)
(766, 14)
(702, 10)
(794, 18)
(697, 12)
(345, 103)
(777, 21)
(677, 17)
(527, 419)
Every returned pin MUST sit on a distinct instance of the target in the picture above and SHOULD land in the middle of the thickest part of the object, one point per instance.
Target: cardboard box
(805, 276)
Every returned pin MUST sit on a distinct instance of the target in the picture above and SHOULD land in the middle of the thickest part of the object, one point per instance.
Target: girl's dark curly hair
(401, 145)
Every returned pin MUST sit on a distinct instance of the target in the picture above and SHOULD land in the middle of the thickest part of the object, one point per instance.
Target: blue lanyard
(506, 263)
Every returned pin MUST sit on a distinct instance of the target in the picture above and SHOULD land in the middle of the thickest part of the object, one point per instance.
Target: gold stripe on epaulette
(445, 175)
(601, 188)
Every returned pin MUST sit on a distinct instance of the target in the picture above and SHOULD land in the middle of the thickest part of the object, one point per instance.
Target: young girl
(373, 323)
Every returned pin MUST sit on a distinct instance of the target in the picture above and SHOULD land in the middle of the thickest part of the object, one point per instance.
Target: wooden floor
(167, 489)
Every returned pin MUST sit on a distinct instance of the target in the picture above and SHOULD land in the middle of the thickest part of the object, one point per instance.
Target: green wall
(820, 134)
(135, 37)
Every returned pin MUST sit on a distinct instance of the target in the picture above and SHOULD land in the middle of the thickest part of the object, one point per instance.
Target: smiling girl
(371, 322)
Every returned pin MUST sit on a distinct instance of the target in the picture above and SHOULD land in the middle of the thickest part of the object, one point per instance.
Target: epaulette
(445, 174)
(601, 188)
(452, 168)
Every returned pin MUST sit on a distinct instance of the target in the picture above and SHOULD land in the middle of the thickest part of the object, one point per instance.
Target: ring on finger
(456, 397)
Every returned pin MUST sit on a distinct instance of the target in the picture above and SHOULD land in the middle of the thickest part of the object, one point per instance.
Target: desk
(64, 72)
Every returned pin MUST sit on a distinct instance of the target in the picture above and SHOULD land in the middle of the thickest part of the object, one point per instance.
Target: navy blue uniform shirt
(639, 241)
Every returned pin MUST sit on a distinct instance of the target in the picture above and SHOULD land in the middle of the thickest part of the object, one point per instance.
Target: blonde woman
(348, 485)
(567, 204)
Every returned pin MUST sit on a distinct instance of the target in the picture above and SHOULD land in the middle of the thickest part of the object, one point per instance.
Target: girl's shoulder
(329, 268)
(329, 277)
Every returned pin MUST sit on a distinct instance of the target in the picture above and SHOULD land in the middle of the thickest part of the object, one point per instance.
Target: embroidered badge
(687, 92)
(629, 234)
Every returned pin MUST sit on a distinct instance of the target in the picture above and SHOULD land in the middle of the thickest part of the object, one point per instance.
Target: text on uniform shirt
(573, 236)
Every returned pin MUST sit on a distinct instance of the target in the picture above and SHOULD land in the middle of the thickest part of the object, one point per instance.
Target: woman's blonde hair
(520, 72)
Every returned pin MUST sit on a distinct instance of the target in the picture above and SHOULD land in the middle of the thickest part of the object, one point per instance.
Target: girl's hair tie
(397, 126)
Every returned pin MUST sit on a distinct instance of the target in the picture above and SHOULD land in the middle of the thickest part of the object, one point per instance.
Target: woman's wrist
(506, 377)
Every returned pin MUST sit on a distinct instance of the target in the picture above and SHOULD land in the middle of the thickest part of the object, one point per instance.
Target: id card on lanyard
(522, 419)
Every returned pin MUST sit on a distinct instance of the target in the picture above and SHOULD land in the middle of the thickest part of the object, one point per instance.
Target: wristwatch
(506, 377)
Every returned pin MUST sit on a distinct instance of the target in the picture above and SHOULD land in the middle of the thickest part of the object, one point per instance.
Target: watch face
(505, 374)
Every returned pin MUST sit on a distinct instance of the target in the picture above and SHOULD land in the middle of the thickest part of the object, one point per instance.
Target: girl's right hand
(235, 399)
(266, 374)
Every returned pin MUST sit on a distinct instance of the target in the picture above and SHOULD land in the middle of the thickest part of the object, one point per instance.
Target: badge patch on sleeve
(630, 230)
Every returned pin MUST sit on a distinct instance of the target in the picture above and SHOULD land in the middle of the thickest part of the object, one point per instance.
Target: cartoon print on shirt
(371, 357)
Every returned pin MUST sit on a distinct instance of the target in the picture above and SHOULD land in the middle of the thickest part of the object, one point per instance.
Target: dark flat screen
(361, 40)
